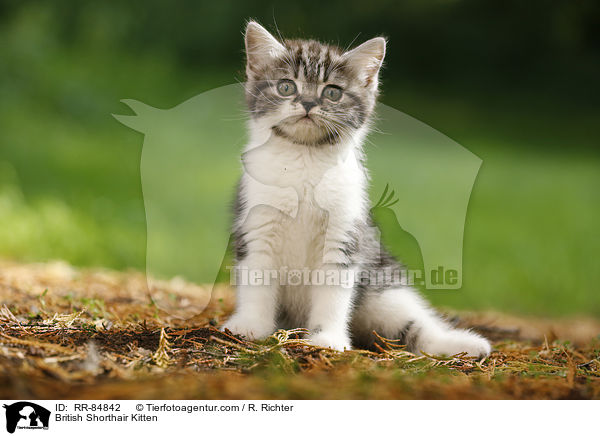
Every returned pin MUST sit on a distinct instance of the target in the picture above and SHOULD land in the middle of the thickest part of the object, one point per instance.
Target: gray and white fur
(302, 204)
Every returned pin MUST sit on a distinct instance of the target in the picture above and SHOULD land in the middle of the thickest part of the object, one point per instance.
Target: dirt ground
(92, 334)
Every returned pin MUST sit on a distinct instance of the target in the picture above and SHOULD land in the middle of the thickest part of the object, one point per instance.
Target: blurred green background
(514, 82)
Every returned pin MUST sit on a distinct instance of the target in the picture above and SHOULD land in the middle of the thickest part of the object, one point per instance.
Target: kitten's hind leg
(401, 313)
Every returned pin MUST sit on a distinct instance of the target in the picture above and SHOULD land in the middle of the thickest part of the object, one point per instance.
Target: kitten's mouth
(305, 119)
(306, 129)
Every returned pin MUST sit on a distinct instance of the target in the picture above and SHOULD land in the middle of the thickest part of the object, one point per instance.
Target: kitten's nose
(308, 105)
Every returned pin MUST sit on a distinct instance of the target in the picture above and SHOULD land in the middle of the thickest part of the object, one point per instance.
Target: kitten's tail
(401, 313)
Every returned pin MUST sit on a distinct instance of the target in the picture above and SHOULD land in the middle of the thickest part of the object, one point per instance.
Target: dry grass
(96, 334)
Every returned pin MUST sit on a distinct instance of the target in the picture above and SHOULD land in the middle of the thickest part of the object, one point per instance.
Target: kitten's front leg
(330, 311)
(255, 318)
(256, 304)
(331, 303)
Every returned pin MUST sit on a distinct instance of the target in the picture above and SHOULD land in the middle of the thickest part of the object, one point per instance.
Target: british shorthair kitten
(302, 205)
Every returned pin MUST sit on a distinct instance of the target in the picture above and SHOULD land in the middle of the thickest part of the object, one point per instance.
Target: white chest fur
(303, 195)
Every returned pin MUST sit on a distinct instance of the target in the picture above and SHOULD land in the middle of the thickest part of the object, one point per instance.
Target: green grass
(70, 180)
(531, 235)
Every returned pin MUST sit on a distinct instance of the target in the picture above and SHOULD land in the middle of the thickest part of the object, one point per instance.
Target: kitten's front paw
(459, 341)
(251, 328)
(336, 341)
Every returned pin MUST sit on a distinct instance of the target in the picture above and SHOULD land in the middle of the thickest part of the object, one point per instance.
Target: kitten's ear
(261, 48)
(366, 60)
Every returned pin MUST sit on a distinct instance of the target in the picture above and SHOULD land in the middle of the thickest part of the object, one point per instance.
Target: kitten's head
(307, 92)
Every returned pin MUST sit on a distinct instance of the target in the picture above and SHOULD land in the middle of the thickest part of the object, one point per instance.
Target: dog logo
(26, 415)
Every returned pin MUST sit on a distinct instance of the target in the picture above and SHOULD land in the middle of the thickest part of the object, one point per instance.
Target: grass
(529, 243)
(70, 184)
(98, 334)
(71, 189)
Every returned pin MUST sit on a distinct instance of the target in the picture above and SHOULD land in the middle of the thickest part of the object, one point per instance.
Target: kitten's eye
(332, 93)
(286, 87)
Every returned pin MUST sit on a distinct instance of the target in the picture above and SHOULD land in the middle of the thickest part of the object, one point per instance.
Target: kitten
(302, 205)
